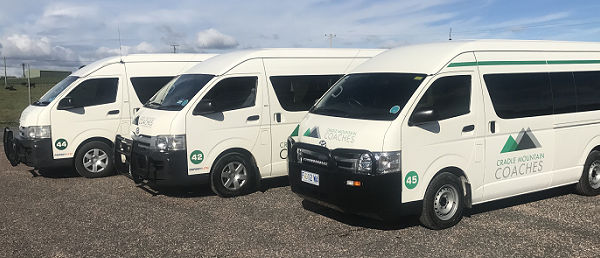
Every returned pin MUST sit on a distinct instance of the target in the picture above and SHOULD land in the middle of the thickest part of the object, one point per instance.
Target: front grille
(346, 162)
(313, 158)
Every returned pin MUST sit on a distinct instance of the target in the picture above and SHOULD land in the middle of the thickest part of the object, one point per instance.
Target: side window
(449, 96)
(146, 87)
(588, 91)
(299, 93)
(95, 92)
(563, 92)
(520, 95)
(233, 93)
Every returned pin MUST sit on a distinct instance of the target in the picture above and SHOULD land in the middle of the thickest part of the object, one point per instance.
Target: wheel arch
(94, 139)
(466, 185)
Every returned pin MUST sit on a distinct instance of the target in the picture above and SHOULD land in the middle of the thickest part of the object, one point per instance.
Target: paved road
(59, 214)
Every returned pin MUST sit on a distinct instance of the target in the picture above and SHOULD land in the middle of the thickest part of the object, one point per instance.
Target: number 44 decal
(61, 144)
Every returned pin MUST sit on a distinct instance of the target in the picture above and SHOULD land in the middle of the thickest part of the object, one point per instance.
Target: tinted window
(146, 87)
(449, 96)
(588, 90)
(374, 96)
(95, 92)
(520, 95)
(233, 93)
(298, 93)
(563, 92)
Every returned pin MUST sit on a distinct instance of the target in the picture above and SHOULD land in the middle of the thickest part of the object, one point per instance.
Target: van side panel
(520, 144)
(73, 126)
(576, 132)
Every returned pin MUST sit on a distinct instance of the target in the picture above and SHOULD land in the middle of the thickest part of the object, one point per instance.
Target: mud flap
(10, 147)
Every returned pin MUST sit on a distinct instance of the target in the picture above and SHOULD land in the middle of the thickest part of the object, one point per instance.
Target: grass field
(12, 102)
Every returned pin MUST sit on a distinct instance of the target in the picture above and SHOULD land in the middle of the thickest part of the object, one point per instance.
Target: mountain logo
(525, 140)
(314, 133)
(295, 132)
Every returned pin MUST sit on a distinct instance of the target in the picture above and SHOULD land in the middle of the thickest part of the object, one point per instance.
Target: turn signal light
(353, 183)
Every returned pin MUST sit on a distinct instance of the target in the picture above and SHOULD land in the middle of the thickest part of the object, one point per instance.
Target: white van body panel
(497, 149)
(259, 131)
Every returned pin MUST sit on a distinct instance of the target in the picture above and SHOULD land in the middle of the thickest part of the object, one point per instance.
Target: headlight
(37, 132)
(384, 162)
(170, 142)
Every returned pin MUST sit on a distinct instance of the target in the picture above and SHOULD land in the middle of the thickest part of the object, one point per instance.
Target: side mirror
(424, 115)
(204, 107)
(66, 103)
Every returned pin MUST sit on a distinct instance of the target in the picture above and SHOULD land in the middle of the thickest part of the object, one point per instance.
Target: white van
(75, 122)
(226, 120)
(431, 129)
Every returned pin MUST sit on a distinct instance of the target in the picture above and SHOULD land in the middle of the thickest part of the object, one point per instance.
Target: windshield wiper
(171, 107)
(331, 111)
(152, 104)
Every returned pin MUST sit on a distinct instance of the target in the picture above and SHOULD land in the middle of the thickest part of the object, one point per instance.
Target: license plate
(310, 178)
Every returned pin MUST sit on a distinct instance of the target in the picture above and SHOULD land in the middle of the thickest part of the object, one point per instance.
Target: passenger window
(299, 93)
(233, 93)
(520, 95)
(95, 92)
(146, 87)
(449, 96)
(563, 92)
(588, 90)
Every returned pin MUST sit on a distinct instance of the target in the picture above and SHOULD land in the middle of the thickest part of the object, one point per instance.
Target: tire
(94, 159)
(589, 183)
(232, 175)
(443, 203)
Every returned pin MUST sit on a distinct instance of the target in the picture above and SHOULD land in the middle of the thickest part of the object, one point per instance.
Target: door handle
(253, 118)
(492, 126)
(278, 117)
(113, 112)
(468, 128)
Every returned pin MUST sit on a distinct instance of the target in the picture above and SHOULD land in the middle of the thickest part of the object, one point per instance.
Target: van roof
(133, 58)
(431, 58)
(225, 62)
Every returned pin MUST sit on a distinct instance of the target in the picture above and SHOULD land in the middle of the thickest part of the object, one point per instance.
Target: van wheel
(443, 202)
(94, 159)
(589, 183)
(232, 175)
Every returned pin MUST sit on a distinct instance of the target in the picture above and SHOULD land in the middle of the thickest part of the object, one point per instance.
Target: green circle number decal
(411, 180)
(61, 144)
(197, 157)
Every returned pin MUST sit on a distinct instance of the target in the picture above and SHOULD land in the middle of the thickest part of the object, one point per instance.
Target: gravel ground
(60, 214)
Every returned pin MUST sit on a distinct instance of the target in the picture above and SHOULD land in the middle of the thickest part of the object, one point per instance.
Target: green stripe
(532, 62)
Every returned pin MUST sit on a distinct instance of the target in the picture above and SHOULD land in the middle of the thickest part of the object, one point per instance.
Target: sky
(63, 35)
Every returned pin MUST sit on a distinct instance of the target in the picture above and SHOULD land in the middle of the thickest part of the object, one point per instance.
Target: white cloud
(213, 39)
(141, 48)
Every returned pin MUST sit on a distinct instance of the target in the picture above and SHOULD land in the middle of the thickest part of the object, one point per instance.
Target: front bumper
(378, 196)
(142, 163)
(35, 153)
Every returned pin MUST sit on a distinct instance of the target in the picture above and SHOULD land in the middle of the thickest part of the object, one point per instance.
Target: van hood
(336, 132)
(152, 122)
(29, 116)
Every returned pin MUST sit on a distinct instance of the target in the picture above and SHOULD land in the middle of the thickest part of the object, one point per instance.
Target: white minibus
(75, 122)
(431, 129)
(226, 120)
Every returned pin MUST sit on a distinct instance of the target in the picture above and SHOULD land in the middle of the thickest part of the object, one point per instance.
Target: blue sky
(64, 35)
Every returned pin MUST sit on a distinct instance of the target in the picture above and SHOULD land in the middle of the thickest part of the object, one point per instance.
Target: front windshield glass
(178, 92)
(55, 91)
(372, 96)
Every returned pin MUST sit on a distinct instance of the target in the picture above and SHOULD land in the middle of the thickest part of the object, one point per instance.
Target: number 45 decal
(61, 144)
(411, 180)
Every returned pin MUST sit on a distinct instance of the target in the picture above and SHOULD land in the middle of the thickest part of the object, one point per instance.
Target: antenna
(450, 34)
(174, 48)
(120, 50)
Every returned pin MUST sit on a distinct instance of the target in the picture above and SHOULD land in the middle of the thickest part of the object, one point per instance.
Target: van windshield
(178, 92)
(372, 96)
(55, 91)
